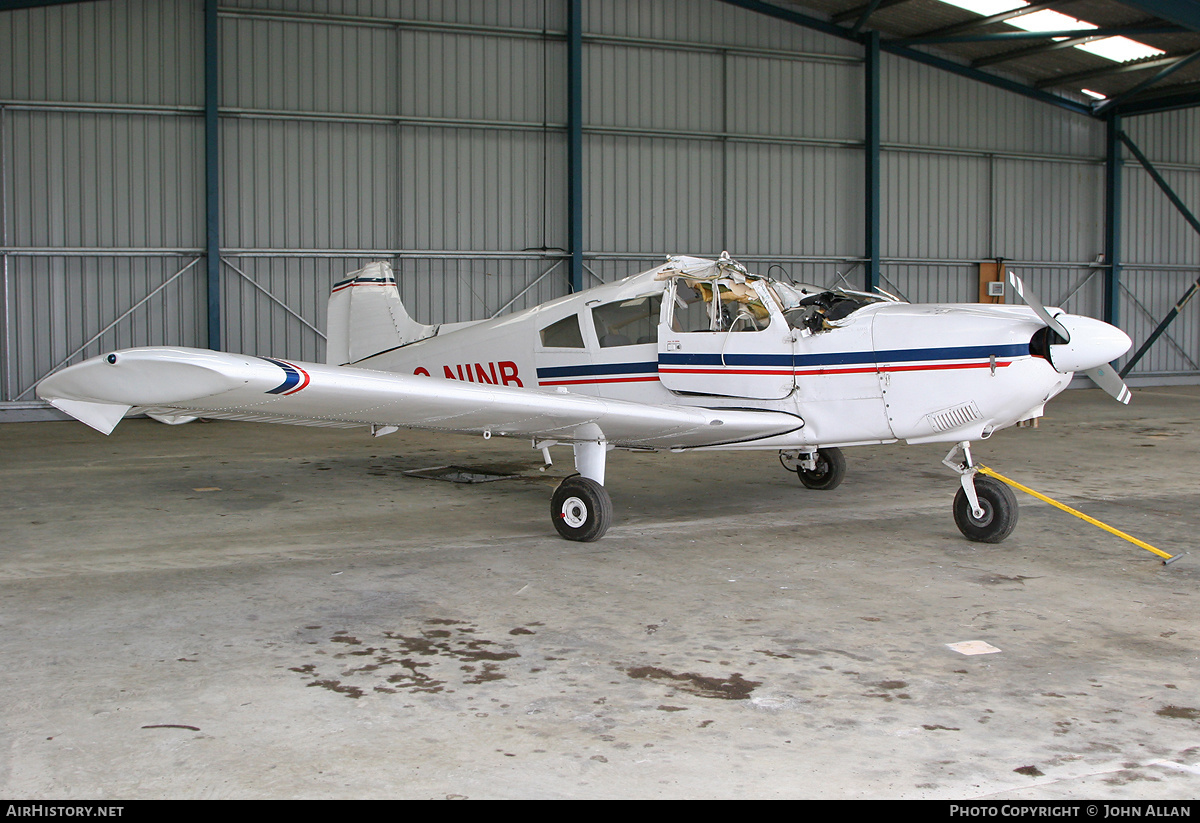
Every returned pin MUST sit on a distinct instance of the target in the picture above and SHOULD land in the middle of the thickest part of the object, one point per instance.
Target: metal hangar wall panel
(435, 136)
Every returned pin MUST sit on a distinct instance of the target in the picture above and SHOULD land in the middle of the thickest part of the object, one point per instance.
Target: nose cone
(1093, 343)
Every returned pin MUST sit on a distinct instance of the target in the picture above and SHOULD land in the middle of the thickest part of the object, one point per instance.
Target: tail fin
(366, 317)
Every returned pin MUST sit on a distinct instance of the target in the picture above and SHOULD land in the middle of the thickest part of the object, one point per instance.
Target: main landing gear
(580, 508)
(985, 510)
(823, 469)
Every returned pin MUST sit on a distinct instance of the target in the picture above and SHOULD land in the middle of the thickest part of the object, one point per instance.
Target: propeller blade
(1090, 341)
(1038, 308)
(1106, 377)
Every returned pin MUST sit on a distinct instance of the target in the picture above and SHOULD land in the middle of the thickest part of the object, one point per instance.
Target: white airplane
(693, 354)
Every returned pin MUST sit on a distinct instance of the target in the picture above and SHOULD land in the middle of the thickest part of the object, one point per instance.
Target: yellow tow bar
(1166, 557)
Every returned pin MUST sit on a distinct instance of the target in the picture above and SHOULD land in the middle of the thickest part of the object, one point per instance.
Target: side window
(564, 334)
(628, 322)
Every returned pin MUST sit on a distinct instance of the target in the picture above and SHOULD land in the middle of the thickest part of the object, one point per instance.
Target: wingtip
(103, 417)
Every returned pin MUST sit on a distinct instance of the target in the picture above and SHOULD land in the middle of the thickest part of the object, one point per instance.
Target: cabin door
(724, 339)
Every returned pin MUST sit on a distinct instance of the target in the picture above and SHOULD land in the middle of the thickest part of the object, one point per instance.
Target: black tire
(999, 506)
(829, 472)
(581, 509)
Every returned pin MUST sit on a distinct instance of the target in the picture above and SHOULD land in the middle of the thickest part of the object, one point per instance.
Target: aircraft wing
(182, 382)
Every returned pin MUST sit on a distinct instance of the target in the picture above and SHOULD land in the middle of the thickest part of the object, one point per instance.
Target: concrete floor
(234, 610)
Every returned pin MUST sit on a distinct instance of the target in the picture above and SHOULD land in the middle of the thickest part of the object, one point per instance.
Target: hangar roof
(1057, 56)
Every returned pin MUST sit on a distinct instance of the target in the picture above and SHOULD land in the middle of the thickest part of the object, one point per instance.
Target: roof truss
(1165, 17)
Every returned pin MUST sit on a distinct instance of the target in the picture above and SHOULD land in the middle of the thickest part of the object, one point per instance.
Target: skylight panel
(987, 7)
(1049, 20)
(1117, 49)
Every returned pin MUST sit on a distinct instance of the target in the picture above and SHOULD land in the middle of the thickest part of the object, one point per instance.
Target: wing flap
(235, 386)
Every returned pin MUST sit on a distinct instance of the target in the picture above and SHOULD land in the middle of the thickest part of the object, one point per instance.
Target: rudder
(366, 317)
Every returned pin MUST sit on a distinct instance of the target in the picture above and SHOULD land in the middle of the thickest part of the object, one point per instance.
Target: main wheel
(999, 506)
(581, 509)
(829, 472)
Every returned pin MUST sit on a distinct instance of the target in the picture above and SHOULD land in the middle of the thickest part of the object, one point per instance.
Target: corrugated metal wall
(720, 130)
(1161, 251)
(971, 172)
(101, 191)
(433, 134)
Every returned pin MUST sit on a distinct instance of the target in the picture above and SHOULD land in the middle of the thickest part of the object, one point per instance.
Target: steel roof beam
(1071, 41)
(1184, 12)
(1107, 71)
(1177, 97)
(1077, 34)
(1105, 105)
(984, 77)
(858, 12)
(981, 22)
(871, 7)
(1032, 51)
(1036, 92)
(791, 16)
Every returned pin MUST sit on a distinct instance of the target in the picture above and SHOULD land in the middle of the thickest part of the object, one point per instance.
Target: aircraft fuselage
(886, 371)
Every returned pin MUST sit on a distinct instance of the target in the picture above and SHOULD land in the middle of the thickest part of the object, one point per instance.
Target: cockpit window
(564, 334)
(628, 322)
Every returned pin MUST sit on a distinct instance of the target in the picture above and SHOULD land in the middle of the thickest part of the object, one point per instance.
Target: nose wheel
(985, 510)
(997, 514)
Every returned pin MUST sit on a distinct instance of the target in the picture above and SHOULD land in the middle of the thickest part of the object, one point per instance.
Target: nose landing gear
(985, 510)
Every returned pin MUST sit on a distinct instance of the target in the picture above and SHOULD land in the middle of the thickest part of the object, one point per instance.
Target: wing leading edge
(173, 381)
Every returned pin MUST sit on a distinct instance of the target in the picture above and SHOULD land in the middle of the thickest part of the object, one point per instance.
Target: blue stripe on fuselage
(786, 360)
(597, 369)
(845, 358)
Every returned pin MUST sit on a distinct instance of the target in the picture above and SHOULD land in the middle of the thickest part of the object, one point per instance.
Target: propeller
(1038, 309)
(1083, 344)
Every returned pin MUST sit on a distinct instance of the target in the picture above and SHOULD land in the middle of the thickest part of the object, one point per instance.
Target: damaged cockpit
(729, 333)
(822, 311)
(724, 296)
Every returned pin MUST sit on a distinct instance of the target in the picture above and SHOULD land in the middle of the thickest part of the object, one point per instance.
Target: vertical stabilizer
(366, 317)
